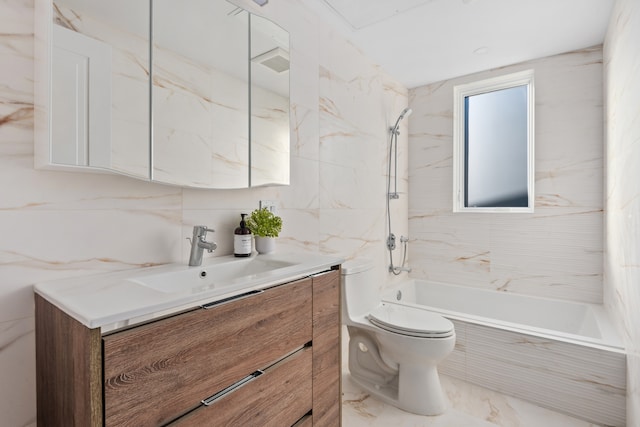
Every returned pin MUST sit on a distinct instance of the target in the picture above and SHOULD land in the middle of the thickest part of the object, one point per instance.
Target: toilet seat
(410, 321)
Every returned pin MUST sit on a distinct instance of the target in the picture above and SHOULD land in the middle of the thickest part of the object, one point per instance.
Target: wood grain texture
(68, 369)
(326, 349)
(279, 397)
(161, 370)
(306, 421)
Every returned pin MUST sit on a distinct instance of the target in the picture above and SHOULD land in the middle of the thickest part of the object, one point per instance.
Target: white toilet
(394, 350)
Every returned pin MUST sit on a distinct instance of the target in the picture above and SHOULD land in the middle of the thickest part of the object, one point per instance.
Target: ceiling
(425, 41)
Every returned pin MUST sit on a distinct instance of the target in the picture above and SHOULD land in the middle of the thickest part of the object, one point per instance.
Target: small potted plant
(265, 226)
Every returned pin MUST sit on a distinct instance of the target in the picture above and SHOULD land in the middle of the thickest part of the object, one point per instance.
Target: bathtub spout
(396, 270)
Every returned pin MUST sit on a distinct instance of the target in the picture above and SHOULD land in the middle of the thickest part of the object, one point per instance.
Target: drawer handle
(219, 395)
(229, 299)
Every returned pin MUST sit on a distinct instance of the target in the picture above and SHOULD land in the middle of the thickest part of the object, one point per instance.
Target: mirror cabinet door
(200, 94)
(99, 90)
(269, 103)
(162, 90)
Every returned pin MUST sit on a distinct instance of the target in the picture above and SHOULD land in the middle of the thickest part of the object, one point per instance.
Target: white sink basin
(227, 274)
(120, 298)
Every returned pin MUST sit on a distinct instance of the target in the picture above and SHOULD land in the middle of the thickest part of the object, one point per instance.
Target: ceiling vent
(276, 59)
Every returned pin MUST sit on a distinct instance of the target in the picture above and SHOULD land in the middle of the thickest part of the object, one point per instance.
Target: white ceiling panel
(424, 41)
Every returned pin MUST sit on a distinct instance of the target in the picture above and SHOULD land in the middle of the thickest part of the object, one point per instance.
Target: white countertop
(113, 300)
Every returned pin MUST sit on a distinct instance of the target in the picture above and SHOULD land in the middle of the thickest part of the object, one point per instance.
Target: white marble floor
(470, 406)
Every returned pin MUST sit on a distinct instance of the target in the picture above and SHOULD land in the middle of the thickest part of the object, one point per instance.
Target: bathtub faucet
(391, 246)
(396, 270)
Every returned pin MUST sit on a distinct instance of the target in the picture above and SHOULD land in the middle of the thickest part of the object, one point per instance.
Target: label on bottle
(242, 244)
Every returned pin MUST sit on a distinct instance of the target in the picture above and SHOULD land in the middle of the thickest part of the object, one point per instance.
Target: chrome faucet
(199, 244)
(396, 270)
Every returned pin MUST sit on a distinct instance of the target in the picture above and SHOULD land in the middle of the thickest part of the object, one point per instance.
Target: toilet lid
(411, 321)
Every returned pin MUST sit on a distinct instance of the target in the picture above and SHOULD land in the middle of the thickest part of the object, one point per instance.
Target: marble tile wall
(622, 195)
(61, 224)
(555, 252)
(357, 107)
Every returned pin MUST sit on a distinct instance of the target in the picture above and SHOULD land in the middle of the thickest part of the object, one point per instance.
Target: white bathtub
(559, 354)
(565, 320)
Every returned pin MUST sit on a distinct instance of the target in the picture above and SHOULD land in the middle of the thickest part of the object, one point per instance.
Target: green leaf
(263, 223)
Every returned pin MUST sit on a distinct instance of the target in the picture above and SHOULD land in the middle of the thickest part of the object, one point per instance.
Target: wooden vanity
(268, 357)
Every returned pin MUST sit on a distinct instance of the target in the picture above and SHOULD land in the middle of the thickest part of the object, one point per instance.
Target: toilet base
(416, 389)
(420, 390)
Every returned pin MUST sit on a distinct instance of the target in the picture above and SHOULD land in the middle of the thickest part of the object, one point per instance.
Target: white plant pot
(265, 245)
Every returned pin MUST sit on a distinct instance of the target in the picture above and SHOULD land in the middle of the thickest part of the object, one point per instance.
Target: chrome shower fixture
(393, 152)
(393, 195)
(405, 113)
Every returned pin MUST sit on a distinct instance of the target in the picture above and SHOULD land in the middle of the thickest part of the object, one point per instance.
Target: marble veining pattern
(622, 196)
(85, 223)
(555, 252)
(469, 406)
(62, 224)
(17, 359)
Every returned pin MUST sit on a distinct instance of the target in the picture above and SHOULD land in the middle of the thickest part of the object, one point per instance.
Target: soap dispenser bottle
(242, 239)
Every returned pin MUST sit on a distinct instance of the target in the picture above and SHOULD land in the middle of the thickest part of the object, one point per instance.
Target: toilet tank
(359, 288)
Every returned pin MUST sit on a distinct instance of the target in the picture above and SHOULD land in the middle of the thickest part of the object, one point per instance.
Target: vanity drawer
(156, 372)
(307, 421)
(279, 397)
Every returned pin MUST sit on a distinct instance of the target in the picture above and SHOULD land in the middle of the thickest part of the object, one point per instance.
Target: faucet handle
(201, 230)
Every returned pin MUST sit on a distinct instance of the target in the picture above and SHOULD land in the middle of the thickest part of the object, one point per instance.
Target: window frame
(460, 93)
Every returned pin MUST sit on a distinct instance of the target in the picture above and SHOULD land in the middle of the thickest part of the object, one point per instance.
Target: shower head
(405, 113)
